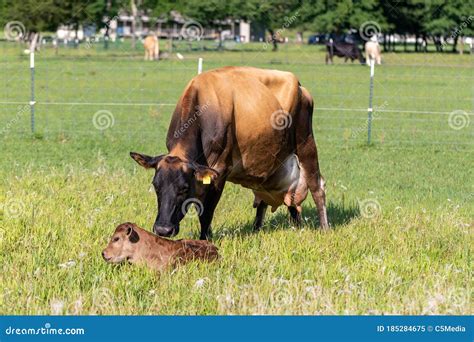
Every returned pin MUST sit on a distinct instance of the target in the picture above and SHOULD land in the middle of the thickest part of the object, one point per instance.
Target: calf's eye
(115, 239)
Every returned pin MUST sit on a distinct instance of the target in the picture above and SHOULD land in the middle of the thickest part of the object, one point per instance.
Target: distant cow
(372, 51)
(152, 48)
(346, 50)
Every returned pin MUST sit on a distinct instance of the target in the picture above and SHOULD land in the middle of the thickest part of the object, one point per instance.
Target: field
(401, 209)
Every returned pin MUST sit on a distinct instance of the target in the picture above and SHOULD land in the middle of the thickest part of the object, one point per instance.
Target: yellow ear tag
(206, 180)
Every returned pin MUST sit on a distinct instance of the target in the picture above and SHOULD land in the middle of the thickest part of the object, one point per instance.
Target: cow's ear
(205, 175)
(146, 161)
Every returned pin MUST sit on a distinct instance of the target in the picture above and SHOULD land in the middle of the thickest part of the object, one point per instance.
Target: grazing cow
(346, 50)
(249, 126)
(372, 52)
(137, 246)
(152, 48)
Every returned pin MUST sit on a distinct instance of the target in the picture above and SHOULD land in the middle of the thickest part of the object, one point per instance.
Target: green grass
(64, 189)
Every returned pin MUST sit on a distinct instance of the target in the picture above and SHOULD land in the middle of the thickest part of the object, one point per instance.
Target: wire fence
(83, 95)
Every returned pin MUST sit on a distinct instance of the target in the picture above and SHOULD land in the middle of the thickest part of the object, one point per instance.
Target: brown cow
(244, 125)
(152, 47)
(131, 243)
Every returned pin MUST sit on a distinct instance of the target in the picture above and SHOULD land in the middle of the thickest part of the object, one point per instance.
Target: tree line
(434, 20)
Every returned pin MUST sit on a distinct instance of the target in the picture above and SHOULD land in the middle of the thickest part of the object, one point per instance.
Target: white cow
(152, 47)
(372, 51)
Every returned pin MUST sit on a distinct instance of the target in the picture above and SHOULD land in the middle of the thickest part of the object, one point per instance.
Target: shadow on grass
(339, 214)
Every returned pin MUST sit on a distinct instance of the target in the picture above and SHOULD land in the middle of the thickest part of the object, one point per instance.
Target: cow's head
(175, 181)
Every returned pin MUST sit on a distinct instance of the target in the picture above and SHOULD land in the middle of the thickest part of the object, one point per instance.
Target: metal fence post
(32, 99)
(371, 93)
(199, 65)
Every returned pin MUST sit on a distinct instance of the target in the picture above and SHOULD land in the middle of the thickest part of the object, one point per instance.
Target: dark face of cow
(175, 182)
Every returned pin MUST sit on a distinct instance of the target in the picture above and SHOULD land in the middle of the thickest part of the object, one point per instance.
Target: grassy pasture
(401, 209)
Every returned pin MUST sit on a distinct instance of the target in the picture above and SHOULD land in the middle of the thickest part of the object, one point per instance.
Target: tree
(30, 17)
(340, 16)
(408, 17)
(275, 15)
(207, 13)
(37, 16)
(450, 19)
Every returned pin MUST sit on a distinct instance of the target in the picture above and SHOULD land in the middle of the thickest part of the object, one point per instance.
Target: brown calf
(134, 244)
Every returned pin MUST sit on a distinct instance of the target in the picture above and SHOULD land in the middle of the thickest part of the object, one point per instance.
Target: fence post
(199, 65)
(371, 93)
(32, 99)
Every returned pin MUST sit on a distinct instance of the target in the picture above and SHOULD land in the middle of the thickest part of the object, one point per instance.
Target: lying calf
(136, 245)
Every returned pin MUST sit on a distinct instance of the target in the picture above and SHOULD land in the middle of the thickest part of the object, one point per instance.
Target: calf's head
(122, 244)
(175, 181)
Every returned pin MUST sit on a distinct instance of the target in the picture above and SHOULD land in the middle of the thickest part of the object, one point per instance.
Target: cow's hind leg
(308, 156)
(261, 209)
(209, 205)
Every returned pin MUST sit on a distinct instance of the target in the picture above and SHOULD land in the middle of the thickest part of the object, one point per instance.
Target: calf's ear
(205, 175)
(132, 234)
(146, 161)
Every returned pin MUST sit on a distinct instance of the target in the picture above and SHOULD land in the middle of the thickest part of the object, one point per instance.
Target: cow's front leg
(261, 209)
(295, 216)
(209, 205)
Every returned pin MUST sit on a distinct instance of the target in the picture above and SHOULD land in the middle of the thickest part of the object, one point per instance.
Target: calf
(134, 244)
(346, 50)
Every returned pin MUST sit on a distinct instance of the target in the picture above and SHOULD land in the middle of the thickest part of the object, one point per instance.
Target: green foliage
(419, 17)
(35, 15)
(447, 16)
(339, 16)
